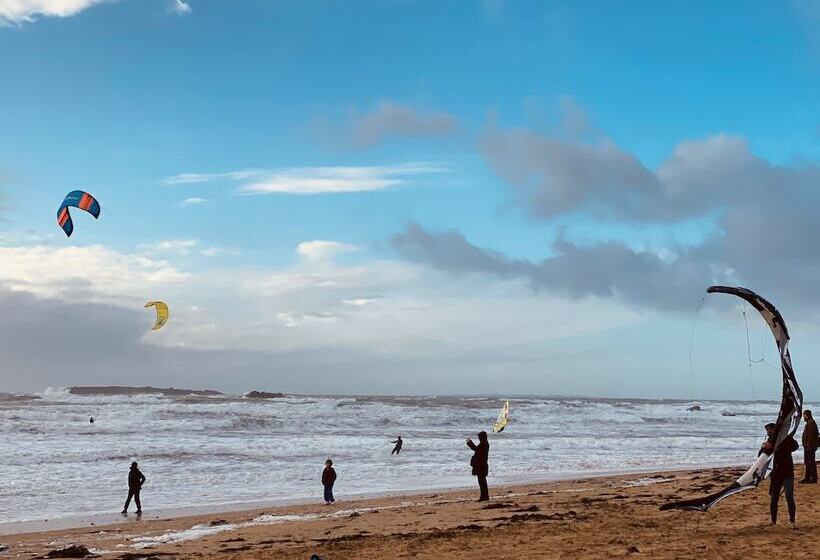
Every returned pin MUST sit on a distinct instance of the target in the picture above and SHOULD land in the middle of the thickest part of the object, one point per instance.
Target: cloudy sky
(409, 196)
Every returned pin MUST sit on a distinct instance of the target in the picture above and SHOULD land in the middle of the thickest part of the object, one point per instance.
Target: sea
(227, 450)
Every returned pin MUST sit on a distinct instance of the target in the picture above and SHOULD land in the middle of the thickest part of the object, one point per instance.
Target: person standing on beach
(397, 448)
(782, 477)
(480, 465)
(328, 479)
(811, 440)
(135, 481)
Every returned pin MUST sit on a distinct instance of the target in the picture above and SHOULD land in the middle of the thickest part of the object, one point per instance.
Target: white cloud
(189, 178)
(315, 180)
(171, 246)
(320, 250)
(194, 201)
(183, 248)
(95, 273)
(180, 7)
(293, 320)
(21, 11)
(318, 180)
(430, 323)
(360, 301)
(216, 251)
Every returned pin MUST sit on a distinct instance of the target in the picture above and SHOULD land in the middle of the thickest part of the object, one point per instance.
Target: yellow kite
(162, 314)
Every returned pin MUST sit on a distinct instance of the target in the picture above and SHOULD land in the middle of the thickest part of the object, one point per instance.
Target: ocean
(204, 451)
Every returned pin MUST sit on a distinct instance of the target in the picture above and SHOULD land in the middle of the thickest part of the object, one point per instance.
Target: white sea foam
(203, 530)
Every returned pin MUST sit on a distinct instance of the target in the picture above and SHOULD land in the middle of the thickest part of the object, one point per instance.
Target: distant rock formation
(120, 390)
(9, 397)
(263, 395)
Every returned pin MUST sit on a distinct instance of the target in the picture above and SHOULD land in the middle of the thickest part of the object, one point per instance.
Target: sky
(414, 197)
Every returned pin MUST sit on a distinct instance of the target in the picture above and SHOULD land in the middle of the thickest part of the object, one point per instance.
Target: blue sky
(420, 112)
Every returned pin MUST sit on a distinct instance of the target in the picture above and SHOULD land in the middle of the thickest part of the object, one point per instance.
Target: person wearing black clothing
(328, 479)
(135, 482)
(479, 463)
(782, 477)
(811, 440)
(397, 448)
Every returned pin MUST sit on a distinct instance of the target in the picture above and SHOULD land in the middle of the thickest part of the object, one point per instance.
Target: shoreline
(79, 521)
(590, 517)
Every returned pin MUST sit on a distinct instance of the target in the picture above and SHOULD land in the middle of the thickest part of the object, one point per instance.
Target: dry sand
(608, 517)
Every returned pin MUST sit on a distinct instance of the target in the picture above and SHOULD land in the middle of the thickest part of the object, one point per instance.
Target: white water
(199, 451)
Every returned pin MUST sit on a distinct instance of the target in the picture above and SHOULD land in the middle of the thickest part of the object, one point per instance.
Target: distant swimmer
(397, 448)
(91, 420)
(328, 480)
(135, 481)
(480, 465)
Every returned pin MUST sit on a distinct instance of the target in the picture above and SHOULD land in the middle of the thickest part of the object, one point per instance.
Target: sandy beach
(606, 517)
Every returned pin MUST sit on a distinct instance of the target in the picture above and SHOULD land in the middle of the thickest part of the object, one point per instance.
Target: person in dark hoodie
(782, 477)
(811, 440)
(328, 479)
(479, 463)
(135, 482)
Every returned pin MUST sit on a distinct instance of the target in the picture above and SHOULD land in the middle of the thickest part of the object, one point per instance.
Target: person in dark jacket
(811, 440)
(397, 447)
(782, 477)
(479, 463)
(135, 482)
(328, 479)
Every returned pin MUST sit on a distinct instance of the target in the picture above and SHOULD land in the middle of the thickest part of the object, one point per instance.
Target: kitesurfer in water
(397, 447)
(782, 477)
(328, 479)
(135, 481)
(811, 440)
(479, 463)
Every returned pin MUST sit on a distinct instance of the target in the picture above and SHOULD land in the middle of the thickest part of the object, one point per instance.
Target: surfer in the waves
(397, 447)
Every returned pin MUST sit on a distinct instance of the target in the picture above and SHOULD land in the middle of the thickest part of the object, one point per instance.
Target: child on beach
(328, 478)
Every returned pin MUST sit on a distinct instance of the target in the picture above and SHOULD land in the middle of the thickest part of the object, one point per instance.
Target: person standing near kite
(397, 447)
(479, 463)
(811, 440)
(780, 443)
(782, 477)
(135, 481)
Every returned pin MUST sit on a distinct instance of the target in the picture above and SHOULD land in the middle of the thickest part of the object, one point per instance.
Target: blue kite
(78, 199)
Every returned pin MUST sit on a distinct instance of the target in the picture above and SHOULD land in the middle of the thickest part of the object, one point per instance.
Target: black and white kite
(791, 405)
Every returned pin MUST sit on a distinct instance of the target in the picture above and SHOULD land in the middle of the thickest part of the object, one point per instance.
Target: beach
(196, 451)
(603, 517)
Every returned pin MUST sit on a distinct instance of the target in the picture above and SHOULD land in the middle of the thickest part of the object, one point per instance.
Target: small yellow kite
(162, 314)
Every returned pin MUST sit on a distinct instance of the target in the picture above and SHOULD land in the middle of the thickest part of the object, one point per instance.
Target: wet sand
(608, 517)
